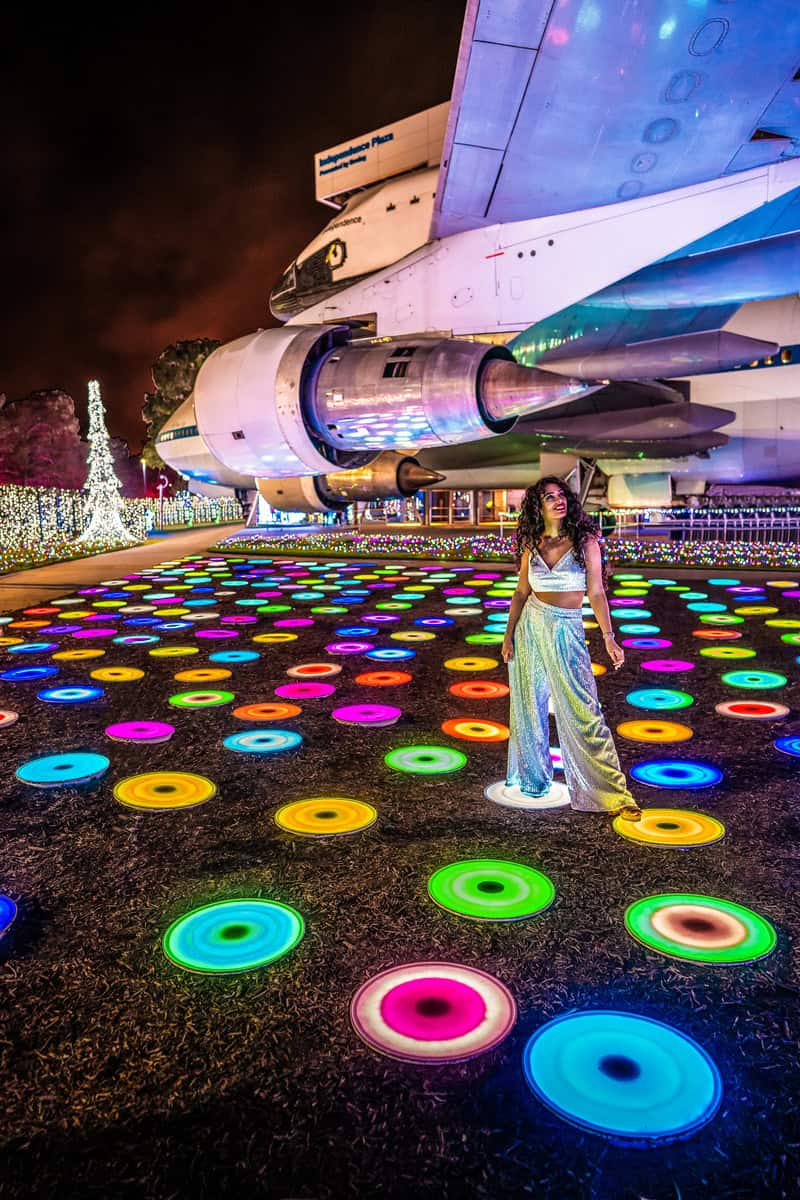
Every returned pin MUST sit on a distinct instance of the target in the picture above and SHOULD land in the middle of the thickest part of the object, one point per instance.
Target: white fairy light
(104, 500)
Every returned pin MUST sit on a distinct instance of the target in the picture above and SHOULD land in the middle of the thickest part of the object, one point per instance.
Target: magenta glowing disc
(793, 594)
(625, 602)
(140, 731)
(457, 591)
(367, 714)
(238, 619)
(305, 691)
(95, 632)
(433, 1012)
(349, 647)
(216, 634)
(293, 622)
(667, 665)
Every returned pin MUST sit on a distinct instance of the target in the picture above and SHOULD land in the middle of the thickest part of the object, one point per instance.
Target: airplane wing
(562, 105)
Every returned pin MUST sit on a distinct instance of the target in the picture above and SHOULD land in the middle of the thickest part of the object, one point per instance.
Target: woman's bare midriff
(561, 599)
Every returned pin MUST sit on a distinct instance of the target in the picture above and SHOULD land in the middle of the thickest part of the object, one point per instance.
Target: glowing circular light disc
(304, 691)
(160, 791)
(486, 889)
(69, 695)
(62, 770)
(676, 773)
(262, 741)
(472, 730)
(667, 666)
(117, 674)
(680, 829)
(8, 913)
(140, 731)
(700, 928)
(383, 678)
(314, 670)
(471, 664)
(478, 689)
(511, 796)
(233, 936)
(754, 679)
(659, 699)
(623, 1075)
(433, 1012)
(377, 715)
(788, 745)
(325, 816)
(752, 710)
(654, 731)
(200, 699)
(269, 711)
(425, 760)
(203, 675)
(8, 717)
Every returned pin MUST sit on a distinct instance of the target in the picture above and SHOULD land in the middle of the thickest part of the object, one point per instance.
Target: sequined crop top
(565, 576)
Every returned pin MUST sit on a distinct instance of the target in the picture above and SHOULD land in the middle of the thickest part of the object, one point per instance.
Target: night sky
(158, 178)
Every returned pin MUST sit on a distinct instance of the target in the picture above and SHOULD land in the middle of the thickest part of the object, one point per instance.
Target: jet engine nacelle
(390, 475)
(306, 400)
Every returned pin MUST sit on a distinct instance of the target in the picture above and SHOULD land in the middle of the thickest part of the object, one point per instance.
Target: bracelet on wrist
(610, 634)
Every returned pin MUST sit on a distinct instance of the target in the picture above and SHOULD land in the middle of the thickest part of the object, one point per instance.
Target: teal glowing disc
(63, 770)
(658, 699)
(233, 935)
(761, 680)
(700, 928)
(425, 760)
(486, 889)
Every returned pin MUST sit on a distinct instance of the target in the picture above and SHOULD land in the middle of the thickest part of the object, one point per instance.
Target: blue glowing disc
(663, 582)
(640, 628)
(70, 695)
(622, 1075)
(233, 935)
(433, 622)
(725, 582)
(263, 741)
(390, 655)
(29, 674)
(788, 745)
(657, 699)
(234, 656)
(621, 614)
(707, 606)
(33, 648)
(348, 631)
(676, 773)
(136, 639)
(647, 643)
(8, 912)
(61, 770)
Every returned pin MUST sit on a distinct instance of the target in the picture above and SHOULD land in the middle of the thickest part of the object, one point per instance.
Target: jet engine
(307, 400)
(389, 475)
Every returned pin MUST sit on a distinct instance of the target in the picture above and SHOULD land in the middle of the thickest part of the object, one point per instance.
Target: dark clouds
(157, 176)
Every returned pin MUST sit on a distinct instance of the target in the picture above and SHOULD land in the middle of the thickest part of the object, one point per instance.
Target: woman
(545, 648)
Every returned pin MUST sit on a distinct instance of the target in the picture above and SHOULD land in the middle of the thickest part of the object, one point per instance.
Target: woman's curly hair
(577, 524)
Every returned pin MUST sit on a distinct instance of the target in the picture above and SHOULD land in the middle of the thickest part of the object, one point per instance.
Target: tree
(104, 501)
(174, 373)
(40, 444)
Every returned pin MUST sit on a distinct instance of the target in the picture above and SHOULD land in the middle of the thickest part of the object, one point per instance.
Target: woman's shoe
(629, 812)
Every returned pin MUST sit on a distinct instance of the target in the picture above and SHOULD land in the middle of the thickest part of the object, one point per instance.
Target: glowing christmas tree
(104, 500)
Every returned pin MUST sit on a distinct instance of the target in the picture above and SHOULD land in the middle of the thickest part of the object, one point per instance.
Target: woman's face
(554, 501)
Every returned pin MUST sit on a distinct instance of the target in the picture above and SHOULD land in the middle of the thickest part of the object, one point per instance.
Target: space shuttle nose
(411, 477)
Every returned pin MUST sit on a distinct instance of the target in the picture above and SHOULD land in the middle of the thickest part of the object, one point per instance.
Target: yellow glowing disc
(11, 641)
(108, 604)
(590, 625)
(75, 614)
(173, 612)
(671, 827)
(117, 674)
(471, 664)
(27, 624)
(137, 587)
(203, 675)
(654, 731)
(325, 815)
(783, 623)
(784, 583)
(173, 651)
(413, 635)
(77, 655)
(476, 730)
(275, 637)
(598, 669)
(756, 610)
(160, 790)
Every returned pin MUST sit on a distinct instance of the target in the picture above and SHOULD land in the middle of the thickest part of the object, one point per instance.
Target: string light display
(102, 483)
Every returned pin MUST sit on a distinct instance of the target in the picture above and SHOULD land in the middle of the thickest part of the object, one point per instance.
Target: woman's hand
(615, 653)
(507, 649)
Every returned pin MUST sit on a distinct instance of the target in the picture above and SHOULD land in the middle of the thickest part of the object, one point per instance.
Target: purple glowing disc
(667, 665)
(367, 714)
(647, 643)
(626, 602)
(304, 691)
(293, 623)
(95, 632)
(380, 618)
(349, 647)
(216, 634)
(140, 731)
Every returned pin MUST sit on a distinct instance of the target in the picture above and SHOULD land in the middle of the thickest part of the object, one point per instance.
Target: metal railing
(778, 524)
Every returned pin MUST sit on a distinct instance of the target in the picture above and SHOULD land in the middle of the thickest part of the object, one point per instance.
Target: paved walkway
(23, 589)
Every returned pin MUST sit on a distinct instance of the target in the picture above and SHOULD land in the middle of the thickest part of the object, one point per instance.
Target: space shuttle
(592, 250)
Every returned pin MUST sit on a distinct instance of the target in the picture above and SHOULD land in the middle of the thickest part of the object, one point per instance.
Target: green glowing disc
(425, 760)
(700, 928)
(486, 889)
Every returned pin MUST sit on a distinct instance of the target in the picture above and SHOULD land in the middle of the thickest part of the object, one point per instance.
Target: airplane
(593, 250)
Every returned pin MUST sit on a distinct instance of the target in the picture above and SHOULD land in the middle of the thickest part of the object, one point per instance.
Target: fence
(766, 524)
(33, 516)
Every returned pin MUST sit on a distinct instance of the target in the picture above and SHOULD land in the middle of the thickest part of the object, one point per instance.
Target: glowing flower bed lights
(233, 936)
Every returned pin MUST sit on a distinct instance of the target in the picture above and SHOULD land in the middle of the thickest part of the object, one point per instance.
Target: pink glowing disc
(293, 622)
(216, 634)
(367, 714)
(95, 632)
(140, 731)
(305, 691)
(433, 1012)
(238, 619)
(667, 665)
(349, 647)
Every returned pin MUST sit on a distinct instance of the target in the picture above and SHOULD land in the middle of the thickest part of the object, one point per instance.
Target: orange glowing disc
(476, 730)
(266, 712)
(478, 689)
(716, 635)
(383, 678)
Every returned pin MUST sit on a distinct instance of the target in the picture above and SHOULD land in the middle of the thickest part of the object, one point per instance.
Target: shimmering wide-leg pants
(551, 659)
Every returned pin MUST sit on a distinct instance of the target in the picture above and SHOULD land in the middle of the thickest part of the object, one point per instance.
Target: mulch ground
(125, 1076)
